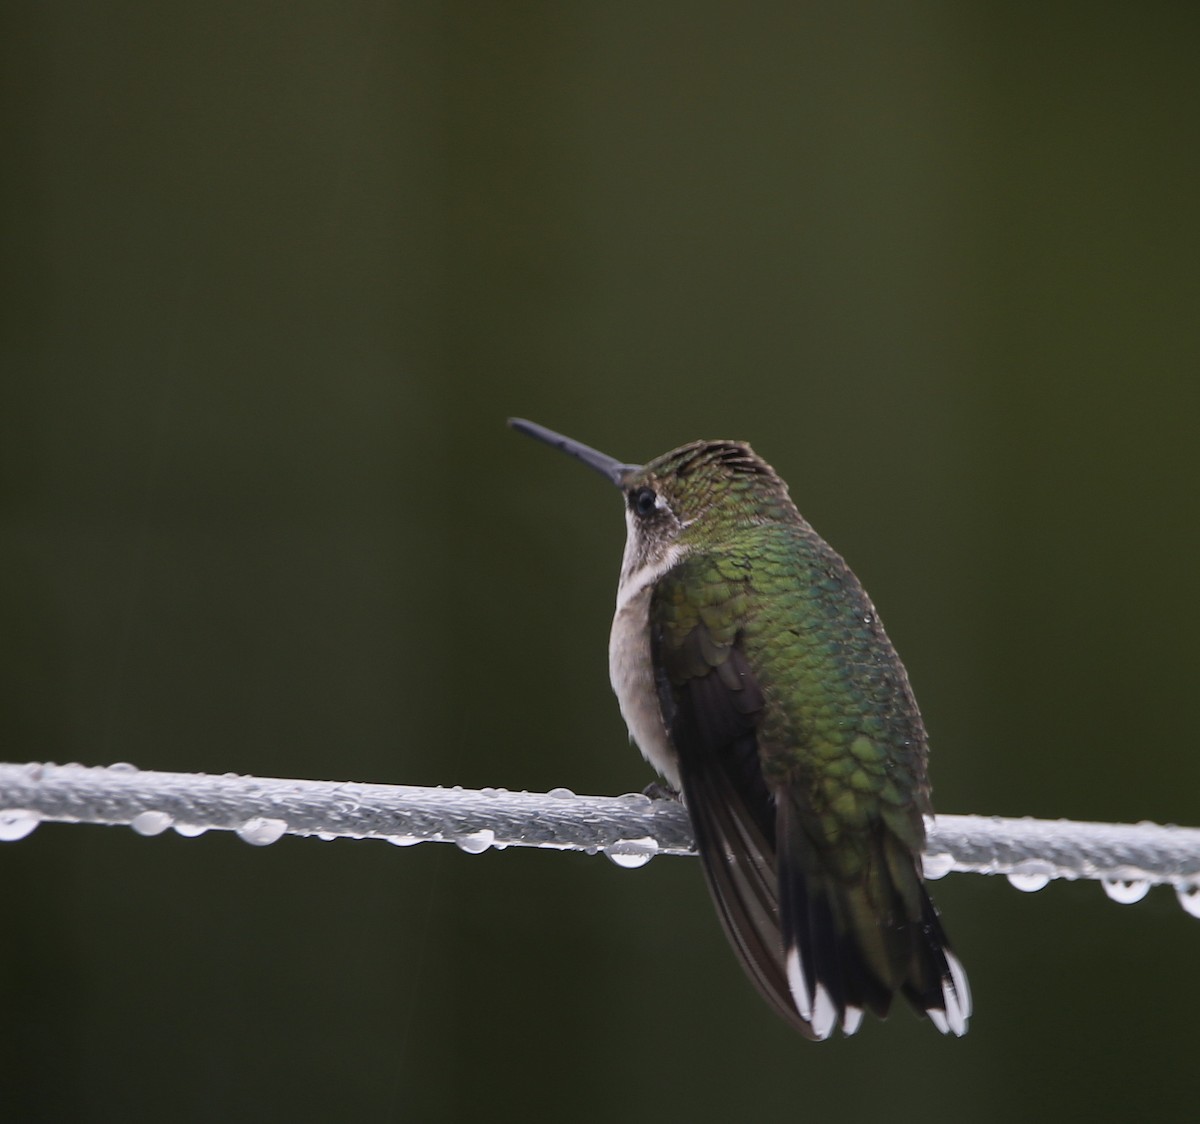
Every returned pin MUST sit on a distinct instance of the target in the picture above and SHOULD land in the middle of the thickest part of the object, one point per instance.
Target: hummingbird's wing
(712, 713)
(712, 706)
(829, 918)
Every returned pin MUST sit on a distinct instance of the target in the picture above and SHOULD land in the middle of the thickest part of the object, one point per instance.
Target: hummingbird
(754, 674)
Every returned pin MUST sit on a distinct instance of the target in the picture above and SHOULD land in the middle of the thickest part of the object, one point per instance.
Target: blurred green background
(273, 277)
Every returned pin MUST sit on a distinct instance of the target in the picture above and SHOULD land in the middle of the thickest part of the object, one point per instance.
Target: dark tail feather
(850, 945)
(938, 984)
(822, 950)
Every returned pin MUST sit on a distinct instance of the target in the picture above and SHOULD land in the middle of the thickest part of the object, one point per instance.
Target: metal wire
(631, 829)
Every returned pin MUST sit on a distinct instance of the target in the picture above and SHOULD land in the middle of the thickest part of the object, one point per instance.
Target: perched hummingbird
(754, 674)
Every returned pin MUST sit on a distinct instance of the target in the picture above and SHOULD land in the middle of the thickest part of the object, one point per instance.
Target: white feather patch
(798, 985)
(852, 1020)
(957, 994)
(825, 1014)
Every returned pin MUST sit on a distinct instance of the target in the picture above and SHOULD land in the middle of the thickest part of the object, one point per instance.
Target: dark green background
(274, 275)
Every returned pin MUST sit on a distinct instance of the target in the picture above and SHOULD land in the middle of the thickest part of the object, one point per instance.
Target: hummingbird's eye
(644, 502)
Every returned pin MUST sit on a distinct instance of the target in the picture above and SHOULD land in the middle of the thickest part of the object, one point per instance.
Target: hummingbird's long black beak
(607, 466)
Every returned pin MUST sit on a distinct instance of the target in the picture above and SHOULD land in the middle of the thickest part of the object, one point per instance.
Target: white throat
(629, 664)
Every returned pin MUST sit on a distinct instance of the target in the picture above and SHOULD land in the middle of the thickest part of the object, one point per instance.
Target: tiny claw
(660, 791)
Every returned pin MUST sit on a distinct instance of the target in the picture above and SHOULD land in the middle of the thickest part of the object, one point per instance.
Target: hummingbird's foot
(660, 791)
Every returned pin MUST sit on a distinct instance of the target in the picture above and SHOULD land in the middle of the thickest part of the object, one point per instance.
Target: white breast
(632, 672)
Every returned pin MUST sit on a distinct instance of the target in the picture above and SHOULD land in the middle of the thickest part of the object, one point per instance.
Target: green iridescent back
(801, 748)
(841, 722)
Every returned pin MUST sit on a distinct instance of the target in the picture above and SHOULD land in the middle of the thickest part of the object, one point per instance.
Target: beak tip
(602, 463)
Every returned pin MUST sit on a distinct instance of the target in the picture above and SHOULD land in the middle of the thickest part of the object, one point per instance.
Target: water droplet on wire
(262, 830)
(16, 823)
(476, 842)
(1189, 898)
(150, 823)
(1031, 876)
(632, 853)
(937, 866)
(1126, 891)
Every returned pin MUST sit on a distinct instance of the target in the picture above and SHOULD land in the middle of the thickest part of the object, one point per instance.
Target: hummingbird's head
(692, 495)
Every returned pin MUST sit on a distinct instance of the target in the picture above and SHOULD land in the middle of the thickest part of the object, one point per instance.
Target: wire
(1127, 858)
